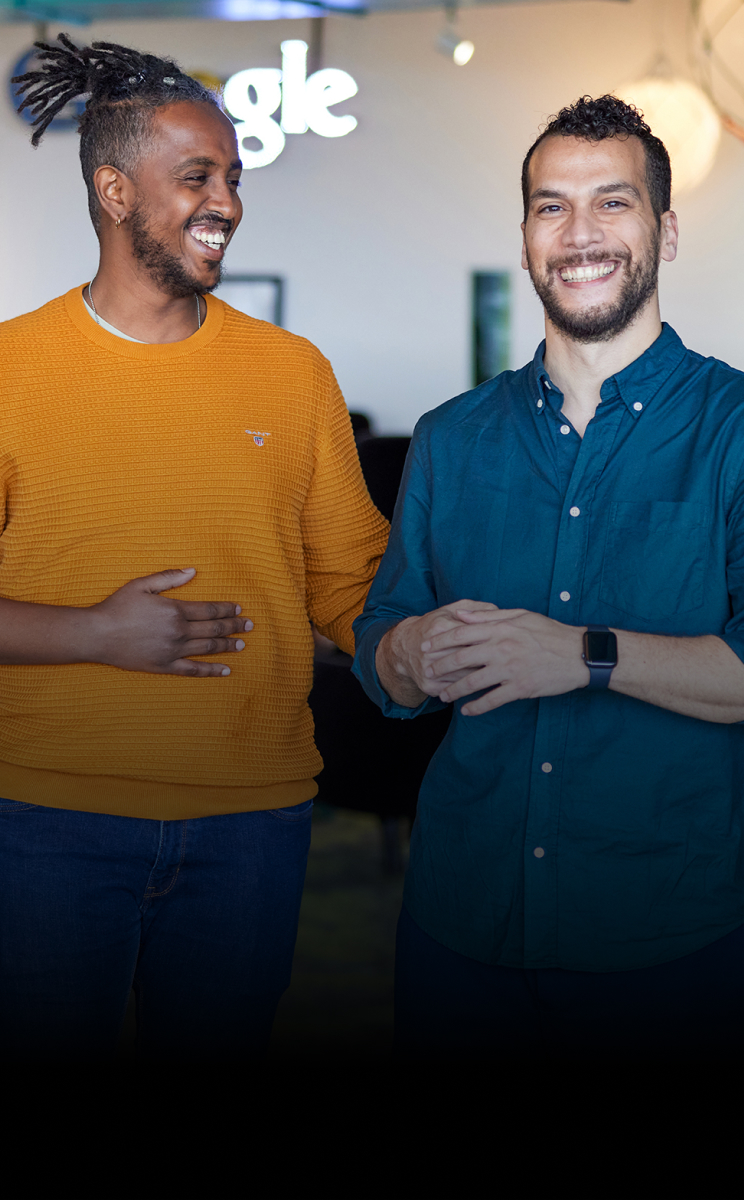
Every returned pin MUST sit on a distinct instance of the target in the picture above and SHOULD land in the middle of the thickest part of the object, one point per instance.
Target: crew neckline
(82, 317)
(108, 326)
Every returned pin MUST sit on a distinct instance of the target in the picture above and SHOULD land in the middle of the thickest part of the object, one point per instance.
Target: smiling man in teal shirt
(575, 883)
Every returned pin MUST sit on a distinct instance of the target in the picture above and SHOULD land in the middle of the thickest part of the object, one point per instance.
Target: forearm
(700, 677)
(35, 634)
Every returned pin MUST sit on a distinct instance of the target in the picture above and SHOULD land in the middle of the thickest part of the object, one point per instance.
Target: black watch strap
(599, 673)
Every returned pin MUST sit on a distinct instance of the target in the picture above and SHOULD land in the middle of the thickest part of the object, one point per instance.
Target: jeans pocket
(296, 812)
(14, 806)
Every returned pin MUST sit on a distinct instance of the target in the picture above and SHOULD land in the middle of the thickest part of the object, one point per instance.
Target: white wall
(377, 232)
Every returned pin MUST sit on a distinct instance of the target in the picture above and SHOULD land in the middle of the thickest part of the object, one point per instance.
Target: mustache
(585, 260)
(224, 224)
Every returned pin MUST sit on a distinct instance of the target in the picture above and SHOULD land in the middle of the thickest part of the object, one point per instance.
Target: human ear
(525, 265)
(115, 193)
(669, 236)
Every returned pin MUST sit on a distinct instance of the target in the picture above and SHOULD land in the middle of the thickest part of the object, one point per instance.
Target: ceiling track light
(449, 42)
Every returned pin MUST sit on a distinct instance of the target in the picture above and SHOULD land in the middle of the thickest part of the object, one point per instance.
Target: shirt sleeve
(404, 584)
(343, 534)
(733, 634)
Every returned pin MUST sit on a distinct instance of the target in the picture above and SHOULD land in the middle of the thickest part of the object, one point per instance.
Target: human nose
(223, 199)
(582, 229)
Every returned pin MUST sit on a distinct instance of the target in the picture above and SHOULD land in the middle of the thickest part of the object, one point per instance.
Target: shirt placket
(541, 846)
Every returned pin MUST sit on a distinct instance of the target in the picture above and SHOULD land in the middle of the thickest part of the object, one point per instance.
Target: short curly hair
(608, 117)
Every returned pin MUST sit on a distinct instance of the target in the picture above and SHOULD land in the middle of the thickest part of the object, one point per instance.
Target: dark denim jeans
(200, 916)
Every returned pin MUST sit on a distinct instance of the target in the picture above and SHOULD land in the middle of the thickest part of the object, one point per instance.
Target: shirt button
(565, 595)
(574, 511)
(547, 768)
(565, 428)
(539, 852)
(638, 406)
(539, 404)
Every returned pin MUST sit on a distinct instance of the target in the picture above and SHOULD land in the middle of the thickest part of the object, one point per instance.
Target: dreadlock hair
(609, 117)
(123, 90)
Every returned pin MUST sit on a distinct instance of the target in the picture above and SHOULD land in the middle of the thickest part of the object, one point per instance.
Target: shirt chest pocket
(655, 558)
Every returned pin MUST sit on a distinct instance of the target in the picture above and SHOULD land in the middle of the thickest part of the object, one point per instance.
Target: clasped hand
(472, 647)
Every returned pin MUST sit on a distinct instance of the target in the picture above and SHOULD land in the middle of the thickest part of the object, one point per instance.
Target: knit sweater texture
(231, 452)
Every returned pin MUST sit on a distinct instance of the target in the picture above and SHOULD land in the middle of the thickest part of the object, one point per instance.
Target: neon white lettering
(254, 95)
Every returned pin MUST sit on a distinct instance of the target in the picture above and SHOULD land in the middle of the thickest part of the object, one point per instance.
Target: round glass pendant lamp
(679, 113)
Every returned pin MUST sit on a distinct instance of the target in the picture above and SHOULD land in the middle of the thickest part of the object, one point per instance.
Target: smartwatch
(600, 654)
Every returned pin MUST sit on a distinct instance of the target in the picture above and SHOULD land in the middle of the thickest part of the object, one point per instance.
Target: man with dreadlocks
(575, 883)
(156, 811)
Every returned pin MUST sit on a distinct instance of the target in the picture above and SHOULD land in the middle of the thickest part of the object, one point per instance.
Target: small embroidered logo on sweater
(258, 436)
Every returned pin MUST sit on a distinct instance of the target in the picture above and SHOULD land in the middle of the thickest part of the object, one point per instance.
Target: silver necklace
(95, 314)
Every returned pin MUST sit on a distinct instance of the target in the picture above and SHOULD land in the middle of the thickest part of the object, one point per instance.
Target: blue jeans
(452, 1008)
(199, 916)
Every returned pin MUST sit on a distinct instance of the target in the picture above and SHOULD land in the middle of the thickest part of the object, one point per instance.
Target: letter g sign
(254, 115)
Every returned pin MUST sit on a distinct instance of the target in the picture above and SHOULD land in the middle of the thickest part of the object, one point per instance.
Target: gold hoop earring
(118, 222)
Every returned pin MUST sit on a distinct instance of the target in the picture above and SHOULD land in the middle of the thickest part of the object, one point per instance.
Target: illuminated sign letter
(294, 83)
(255, 116)
(322, 89)
(254, 95)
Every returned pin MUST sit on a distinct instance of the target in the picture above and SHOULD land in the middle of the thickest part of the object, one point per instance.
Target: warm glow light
(683, 117)
(463, 52)
(458, 49)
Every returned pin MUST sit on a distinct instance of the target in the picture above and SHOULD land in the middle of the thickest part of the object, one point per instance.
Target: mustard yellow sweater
(231, 452)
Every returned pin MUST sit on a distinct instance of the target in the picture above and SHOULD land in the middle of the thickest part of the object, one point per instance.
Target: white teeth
(584, 274)
(209, 239)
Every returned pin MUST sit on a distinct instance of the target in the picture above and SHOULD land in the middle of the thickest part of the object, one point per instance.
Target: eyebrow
(205, 161)
(606, 189)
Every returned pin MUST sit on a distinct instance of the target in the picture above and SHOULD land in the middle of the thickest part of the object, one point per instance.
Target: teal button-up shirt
(589, 831)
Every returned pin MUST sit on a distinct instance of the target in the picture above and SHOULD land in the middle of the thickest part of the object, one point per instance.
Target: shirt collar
(636, 385)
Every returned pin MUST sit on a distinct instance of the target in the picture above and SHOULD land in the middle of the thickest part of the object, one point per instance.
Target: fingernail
(426, 645)
(238, 610)
(239, 644)
(226, 671)
(465, 712)
(248, 626)
(429, 672)
(444, 696)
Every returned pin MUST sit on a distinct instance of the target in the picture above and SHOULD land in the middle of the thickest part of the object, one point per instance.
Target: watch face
(601, 649)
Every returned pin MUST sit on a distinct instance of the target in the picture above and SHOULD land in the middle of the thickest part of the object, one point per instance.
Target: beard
(163, 267)
(602, 322)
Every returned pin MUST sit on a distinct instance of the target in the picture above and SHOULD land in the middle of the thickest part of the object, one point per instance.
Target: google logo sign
(252, 97)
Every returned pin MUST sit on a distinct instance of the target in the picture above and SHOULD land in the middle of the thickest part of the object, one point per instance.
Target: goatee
(602, 322)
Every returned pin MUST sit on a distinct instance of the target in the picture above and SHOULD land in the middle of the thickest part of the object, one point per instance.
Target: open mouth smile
(587, 274)
(211, 241)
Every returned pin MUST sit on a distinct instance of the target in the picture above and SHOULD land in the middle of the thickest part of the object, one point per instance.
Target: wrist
(600, 655)
(582, 668)
(391, 663)
(396, 648)
(90, 634)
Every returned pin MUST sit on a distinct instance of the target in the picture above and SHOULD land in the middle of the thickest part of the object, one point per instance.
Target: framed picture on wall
(260, 296)
(491, 324)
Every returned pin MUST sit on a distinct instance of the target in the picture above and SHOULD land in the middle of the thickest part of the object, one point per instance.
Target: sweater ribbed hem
(119, 797)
